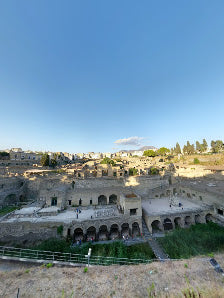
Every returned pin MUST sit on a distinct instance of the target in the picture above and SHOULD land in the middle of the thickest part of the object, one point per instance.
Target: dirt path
(169, 278)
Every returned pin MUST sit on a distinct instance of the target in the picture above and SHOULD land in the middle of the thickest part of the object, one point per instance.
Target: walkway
(156, 248)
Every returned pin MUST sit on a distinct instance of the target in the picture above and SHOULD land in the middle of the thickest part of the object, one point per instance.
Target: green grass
(6, 210)
(115, 249)
(200, 239)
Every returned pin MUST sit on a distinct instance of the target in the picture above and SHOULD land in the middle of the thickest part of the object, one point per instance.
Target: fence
(51, 257)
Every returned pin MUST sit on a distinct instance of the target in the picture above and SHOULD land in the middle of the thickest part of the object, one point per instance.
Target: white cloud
(132, 141)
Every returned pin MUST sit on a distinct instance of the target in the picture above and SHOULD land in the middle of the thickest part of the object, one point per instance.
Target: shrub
(153, 171)
(196, 161)
(133, 172)
(49, 265)
(85, 270)
(60, 230)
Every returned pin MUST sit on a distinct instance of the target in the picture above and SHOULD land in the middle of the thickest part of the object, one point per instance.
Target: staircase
(156, 248)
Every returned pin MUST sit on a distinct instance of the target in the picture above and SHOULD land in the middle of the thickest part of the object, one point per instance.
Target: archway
(135, 229)
(177, 222)
(78, 234)
(156, 226)
(197, 218)
(22, 198)
(208, 217)
(103, 233)
(187, 221)
(102, 200)
(125, 229)
(10, 200)
(91, 233)
(114, 231)
(167, 224)
(113, 199)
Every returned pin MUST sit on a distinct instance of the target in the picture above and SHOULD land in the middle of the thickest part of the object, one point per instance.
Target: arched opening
(125, 229)
(10, 200)
(114, 231)
(91, 233)
(78, 234)
(102, 200)
(197, 218)
(156, 226)
(103, 233)
(208, 217)
(167, 224)
(135, 229)
(22, 198)
(177, 222)
(187, 221)
(113, 199)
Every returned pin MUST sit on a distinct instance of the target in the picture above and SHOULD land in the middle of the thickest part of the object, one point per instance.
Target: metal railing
(50, 256)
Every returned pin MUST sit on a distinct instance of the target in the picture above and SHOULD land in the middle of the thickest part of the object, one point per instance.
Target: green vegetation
(4, 155)
(163, 151)
(6, 210)
(133, 172)
(115, 249)
(60, 230)
(153, 171)
(217, 146)
(45, 160)
(197, 240)
(149, 153)
(49, 265)
(196, 161)
(108, 161)
(189, 148)
(85, 270)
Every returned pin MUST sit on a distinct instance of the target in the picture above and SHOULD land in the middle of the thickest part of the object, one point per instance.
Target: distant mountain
(147, 148)
(140, 149)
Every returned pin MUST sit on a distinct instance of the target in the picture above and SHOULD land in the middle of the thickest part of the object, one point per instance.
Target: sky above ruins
(80, 76)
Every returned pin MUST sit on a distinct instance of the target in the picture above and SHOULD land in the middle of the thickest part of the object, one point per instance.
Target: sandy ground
(170, 279)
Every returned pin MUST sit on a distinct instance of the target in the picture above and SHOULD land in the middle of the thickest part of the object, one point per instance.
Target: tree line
(216, 147)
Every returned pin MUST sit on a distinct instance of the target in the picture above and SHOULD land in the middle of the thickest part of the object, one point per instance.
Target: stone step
(156, 248)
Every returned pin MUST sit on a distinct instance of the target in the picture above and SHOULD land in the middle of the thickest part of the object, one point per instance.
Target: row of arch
(168, 224)
(102, 200)
(103, 233)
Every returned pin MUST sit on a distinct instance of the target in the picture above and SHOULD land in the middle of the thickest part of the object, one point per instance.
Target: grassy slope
(197, 240)
(115, 249)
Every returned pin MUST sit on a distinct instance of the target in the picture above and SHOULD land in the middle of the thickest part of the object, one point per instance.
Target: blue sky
(76, 76)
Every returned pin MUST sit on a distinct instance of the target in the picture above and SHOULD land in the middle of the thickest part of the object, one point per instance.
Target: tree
(133, 172)
(188, 149)
(217, 146)
(153, 171)
(45, 160)
(177, 149)
(108, 161)
(205, 145)
(163, 151)
(199, 147)
(4, 155)
(149, 153)
(53, 163)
